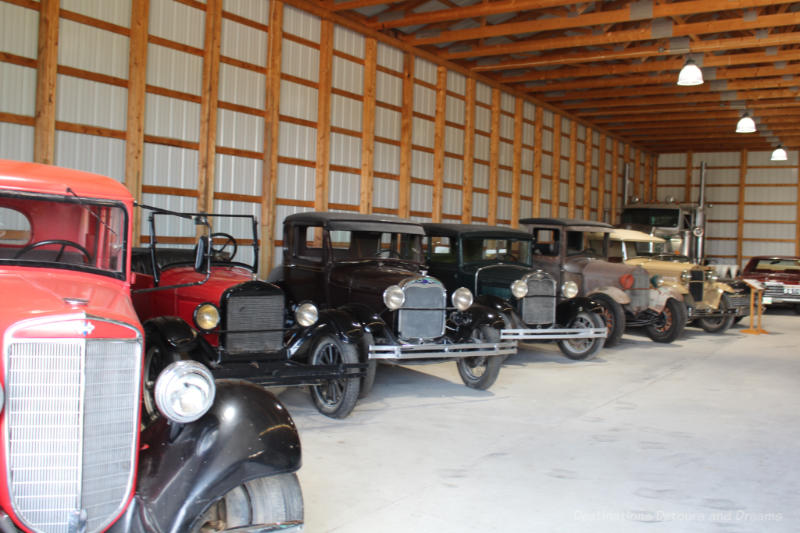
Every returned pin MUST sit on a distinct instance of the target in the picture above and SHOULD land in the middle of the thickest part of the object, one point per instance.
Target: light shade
(779, 154)
(690, 74)
(746, 124)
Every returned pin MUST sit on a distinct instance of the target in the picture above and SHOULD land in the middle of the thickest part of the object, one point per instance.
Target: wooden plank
(322, 174)
(494, 158)
(438, 143)
(469, 152)
(740, 209)
(269, 173)
(368, 126)
(137, 84)
(601, 179)
(573, 168)
(537, 161)
(404, 185)
(44, 135)
(516, 172)
(587, 174)
(208, 106)
(614, 181)
(687, 184)
(555, 183)
(797, 218)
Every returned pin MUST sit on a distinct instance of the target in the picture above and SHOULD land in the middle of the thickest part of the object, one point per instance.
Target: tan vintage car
(711, 304)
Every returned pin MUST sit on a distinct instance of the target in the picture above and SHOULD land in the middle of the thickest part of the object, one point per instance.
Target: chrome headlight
(306, 314)
(569, 289)
(711, 275)
(206, 316)
(462, 298)
(184, 391)
(519, 289)
(394, 297)
(685, 276)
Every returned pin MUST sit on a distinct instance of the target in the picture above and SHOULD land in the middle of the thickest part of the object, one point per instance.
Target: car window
(308, 243)
(545, 241)
(385, 245)
(15, 229)
(778, 265)
(506, 250)
(441, 250)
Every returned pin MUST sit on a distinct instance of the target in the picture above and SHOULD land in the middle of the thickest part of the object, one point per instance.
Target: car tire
(613, 316)
(583, 349)
(335, 398)
(481, 372)
(372, 367)
(670, 323)
(721, 324)
(267, 501)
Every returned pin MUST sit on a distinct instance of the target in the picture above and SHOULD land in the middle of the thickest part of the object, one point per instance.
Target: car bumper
(553, 333)
(694, 313)
(442, 351)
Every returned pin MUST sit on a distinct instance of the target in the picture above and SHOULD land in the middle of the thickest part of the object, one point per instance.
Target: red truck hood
(777, 277)
(41, 292)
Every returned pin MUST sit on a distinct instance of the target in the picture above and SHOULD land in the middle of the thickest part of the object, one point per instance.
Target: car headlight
(569, 289)
(206, 316)
(394, 297)
(306, 314)
(519, 289)
(184, 391)
(685, 276)
(711, 275)
(462, 298)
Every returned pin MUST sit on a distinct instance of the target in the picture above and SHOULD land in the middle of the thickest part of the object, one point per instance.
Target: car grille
(423, 313)
(539, 306)
(639, 293)
(255, 323)
(71, 428)
(696, 285)
(739, 300)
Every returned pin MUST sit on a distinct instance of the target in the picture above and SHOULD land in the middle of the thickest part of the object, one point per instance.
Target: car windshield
(353, 245)
(651, 248)
(479, 249)
(778, 265)
(617, 250)
(663, 217)
(66, 232)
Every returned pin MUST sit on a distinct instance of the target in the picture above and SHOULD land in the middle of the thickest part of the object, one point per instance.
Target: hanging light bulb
(779, 154)
(690, 74)
(746, 124)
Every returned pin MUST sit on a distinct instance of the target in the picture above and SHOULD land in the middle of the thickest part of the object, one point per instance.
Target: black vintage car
(216, 312)
(371, 269)
(496, 264)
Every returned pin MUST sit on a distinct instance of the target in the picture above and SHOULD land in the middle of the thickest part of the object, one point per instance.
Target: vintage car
(710, 304)
(76, 455)
(780, 277)
(496, 264)
(626, 294)
(371, 268)
(236, 325)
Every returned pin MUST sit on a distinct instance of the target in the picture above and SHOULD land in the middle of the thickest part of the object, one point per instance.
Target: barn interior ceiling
(616, 63)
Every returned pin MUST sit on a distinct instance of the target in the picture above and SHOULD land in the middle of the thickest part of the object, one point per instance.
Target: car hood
(665, 269)
(39, 293)
(777, 277)
(598, 273)
(495, 275)
(372, 275)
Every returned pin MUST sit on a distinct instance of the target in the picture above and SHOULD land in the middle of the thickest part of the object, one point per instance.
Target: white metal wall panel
(770, 194)
(454, 110)
(388, 88)
(483, 119)
(456, 82)
(385, 193)
(169, 225)
(301, 24)
(177, 22)
(172, 118)
(174, 70)
(772, 175)
(422, 132)
(421, 198)
(296, 182)
(526, 159)
(255, 10)
(241, 175)
(544, 210)
(241, 86)
(671, 177)
(508, 103)
(672, 160)
(17, 89)
(725, 211)
(525, 208)
(453, 140)
(547, 186)
(239, 228)
(300, 61)
(302, 104)
(424, 70)
(715, 230)
(504, 208)
(716, 159)
(345, 150)
(19, 30)
(91, 103)
(244, 43)
(348, 41)
(506, 127)
(720, 176)
(298, 142)
(753, 230)
(547, 140)
(170, 166)
(346, 113)
(101, 155)
(505, 180)
(753, 248)
(387, 158)
(453, 170)
(421, 165)
(505, 153)
(451, 202)
(480, 205)
(721, 194)
(481, 147)
(547, 165)
(424, 100)
(547, 119)
(347, 75)
(480, 175)
(483, 93)
(16, 142)
(344, 188)
(109, 50)
(390, 57)
(240, 130)
(716, 248)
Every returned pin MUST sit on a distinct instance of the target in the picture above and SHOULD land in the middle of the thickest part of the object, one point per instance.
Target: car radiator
(639, 293)
(423, 313)
(71, 429)
(696, 287)
(254, 323)
(539, 305)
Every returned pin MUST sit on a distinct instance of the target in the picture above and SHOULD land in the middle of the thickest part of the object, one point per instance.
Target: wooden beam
(587, 174)
(137, 81)
(469, 152)
(538, 128)
(687, 183)
(404, 184)
(740, 210)
(438, 143)
(368, 126)
(614, 181)
(208, 107)
(516, 172)
(648, 177)
(322, 167)
(494, 158)
(573, 168)
(797, 217)
(601, 179)
(555, 182)
(44, 133)
(269, 174)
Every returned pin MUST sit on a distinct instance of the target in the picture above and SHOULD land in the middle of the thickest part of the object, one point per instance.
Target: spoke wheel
(582, 349)
(670, 323)
(481, 372)
(613, 316)
(719, 324)
(335, 397)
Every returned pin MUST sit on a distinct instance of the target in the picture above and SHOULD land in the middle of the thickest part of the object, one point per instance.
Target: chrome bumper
(553, 333)
(441, 351)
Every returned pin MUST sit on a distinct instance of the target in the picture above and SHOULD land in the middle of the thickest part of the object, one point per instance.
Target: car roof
(631, 235)
(564, 222)
(48, 179)
(440, 228)
(323, 217)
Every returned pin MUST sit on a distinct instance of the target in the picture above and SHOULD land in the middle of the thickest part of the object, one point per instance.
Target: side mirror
(202, 254)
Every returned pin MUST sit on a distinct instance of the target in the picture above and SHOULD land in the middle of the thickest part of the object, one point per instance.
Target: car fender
(178, 338)
(660, 295)
(566, 310)
(184, 468)
(615, 293)
(465, 322)
(334, 322)
(503, 307)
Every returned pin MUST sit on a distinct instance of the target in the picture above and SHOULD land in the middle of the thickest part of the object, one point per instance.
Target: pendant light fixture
(690, 74)
(779, 154)
(746, 124)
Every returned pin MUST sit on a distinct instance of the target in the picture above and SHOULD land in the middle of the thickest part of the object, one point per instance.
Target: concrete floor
(698, 435)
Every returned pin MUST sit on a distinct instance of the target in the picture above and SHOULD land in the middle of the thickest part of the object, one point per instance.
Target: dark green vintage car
(496, 265)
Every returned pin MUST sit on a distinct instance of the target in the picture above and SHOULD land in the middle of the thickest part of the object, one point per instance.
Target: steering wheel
(62, 242)
(229, 241)
(387, 253)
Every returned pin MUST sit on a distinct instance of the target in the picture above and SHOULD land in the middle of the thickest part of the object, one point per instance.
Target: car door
(304, 264)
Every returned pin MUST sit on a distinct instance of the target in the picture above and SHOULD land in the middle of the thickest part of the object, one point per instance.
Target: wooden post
(614, 180)
(537, 161)
(573, 168)
(637, 175)
(555, 182)
(687, 189)
(648, 177)
(269, 177)
(601, 179)
(404, 185)
(438, 143)
(44, 133)
(516, 172)
(368, 126)
(494, 158)
(323, 164)
(137, 81)
(740, 212)
(797, 225)
(587, 174)
(208, 107)
(469, 151)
